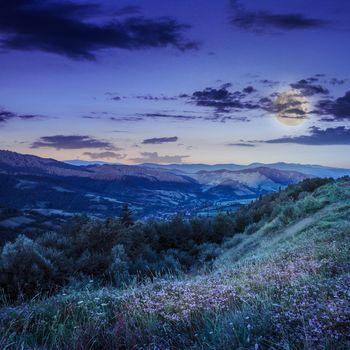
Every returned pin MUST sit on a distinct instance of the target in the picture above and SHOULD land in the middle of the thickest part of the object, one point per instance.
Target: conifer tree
(126, 216)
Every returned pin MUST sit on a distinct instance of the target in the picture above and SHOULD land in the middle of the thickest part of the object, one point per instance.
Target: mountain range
(43, 187)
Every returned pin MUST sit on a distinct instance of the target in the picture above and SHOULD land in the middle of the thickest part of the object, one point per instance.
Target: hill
(274, 275)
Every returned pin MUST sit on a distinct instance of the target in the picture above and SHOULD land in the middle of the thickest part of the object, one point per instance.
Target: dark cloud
(66, 28)
(6, 116)
(116, 98)
(150, 97)
(265, 21)
(268, 82)
(249, 90)
(308, 89)
(159, 140)
(338, 109)
(331, 136)
(105, 155)
(242, 144)
(154, 157)
(72, 142)
(125, 119)
(169, 116)
(222, 99)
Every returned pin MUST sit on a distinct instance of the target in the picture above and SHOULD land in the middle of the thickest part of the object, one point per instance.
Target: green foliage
(115, 251)
(126, 216)
(25, 268)
(119, 268)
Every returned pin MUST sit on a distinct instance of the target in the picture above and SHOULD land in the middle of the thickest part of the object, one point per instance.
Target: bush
(25, 269)
(119, 268)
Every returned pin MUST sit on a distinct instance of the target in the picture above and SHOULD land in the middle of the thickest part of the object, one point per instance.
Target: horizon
(239, 83)
(259, 164)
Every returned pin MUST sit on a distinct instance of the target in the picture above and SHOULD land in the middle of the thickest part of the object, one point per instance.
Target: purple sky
(176, 81)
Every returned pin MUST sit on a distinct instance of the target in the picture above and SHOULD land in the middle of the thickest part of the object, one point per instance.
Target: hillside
(279, 278)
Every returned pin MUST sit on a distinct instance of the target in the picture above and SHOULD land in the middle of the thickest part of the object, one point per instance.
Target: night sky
(176, 81)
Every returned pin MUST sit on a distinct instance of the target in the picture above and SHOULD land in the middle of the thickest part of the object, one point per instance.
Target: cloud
(169, 116)
(265, 21)
(159, 140)
(242, 144)
(6, 116)
(105, 155)
(268, 82)
(335, 81)
(125, 119)
(72, 142)
(331, 136)
(309, 89)
(249, 90)
(66, 28)
(222, 99)
(150, 97)
(338, 109)
(154, 157)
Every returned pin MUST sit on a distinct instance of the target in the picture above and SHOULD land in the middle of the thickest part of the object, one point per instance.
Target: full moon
(291, 108)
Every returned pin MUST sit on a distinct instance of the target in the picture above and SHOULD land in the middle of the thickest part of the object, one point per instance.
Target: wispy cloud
(6, 116)
(105, 155)
(317, 137)
(263, 21)
(159, 140)
(154, 157)
(242, 144)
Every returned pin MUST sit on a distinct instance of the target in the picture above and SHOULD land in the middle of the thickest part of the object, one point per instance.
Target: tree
(126, 216)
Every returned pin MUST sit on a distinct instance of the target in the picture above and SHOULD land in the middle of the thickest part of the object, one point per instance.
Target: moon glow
(291, 108)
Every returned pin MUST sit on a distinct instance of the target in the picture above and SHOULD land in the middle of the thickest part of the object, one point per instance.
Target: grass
(285, 286)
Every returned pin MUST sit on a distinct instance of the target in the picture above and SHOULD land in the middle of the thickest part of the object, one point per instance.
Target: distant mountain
(248, 181)
(79, 162)
(19, 164)
(314, 170)
(194, 168)
(51, 187)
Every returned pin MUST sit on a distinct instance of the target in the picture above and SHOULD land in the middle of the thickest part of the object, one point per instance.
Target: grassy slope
(284, 286)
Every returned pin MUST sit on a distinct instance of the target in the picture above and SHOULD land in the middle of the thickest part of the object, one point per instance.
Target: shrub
(25, 268)
(119, 268)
